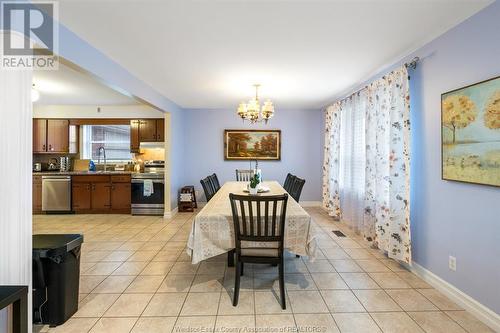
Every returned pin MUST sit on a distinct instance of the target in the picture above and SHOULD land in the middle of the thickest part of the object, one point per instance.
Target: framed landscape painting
(470, 132)
(252, 145)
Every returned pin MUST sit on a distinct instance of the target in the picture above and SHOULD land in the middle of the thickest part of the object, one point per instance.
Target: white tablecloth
(212, 231)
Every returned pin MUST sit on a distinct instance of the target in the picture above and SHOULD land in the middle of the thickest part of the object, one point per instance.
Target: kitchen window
(114, 138)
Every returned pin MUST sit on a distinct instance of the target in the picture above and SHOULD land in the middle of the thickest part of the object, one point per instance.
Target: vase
(253, 190)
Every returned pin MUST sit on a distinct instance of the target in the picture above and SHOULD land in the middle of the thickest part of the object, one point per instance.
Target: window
(114, 138)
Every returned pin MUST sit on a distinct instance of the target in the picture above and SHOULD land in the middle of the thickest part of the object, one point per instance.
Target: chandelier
(253, 111)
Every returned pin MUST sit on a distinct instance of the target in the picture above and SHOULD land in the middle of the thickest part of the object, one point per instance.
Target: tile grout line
(179, 235)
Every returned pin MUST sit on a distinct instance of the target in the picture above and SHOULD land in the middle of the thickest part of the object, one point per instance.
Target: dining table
(212, 230)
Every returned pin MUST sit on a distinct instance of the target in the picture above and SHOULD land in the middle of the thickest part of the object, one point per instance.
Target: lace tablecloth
(212, 231)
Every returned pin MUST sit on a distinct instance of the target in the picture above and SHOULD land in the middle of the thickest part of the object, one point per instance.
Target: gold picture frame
(243, 144)
(470, 133)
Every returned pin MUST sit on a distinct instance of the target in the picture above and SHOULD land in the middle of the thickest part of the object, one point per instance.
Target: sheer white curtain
(352, 160)
(367, 163)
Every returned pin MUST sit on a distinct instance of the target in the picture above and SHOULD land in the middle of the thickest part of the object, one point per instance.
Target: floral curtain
(331, 160)
(385, 195)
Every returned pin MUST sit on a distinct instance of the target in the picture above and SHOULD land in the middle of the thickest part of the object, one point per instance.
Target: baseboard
(310, 203)
(172, 213)
(481, 312)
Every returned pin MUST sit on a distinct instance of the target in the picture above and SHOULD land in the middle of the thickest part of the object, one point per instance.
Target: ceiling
(207, 54)
(69, 87)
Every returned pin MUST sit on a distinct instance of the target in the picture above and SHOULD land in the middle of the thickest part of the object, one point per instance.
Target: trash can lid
(47, 245)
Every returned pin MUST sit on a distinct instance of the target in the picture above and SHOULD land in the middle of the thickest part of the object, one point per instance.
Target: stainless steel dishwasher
(56, 193)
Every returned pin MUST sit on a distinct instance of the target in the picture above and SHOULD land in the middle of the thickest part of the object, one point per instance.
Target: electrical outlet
(452, 263)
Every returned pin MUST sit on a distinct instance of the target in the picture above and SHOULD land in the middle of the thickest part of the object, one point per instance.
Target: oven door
(148, 205)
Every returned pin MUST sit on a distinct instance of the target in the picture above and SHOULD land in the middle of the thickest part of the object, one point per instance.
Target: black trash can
(56, 277)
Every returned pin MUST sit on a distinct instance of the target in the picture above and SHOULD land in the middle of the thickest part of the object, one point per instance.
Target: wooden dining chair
(296, 188)
(259, 219)
(208, 188)
(288, 182)
(215, 182)
(243, 175)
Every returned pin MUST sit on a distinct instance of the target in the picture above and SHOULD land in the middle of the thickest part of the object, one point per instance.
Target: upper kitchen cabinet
(134, 136)
(146, 130)
(50, 136)
(160, 130)
(39, 135)
(58, 135)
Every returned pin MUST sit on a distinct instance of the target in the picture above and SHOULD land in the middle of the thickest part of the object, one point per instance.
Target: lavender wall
(302, 151)
(450, 218)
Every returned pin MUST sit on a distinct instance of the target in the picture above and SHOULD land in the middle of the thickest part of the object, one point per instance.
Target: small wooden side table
(18, 297)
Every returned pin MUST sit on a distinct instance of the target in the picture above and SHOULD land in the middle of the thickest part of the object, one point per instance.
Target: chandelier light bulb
(253, 111)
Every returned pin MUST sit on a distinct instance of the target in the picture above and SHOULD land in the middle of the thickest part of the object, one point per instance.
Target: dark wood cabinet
(91, 193)
(58, 135)
(101, 194)
(121, 194)
(120, 197)
(146, 130)
(160, 130)
(134, 136)
(39, 135)
(81, 196)
(37, 194)
(50, 135)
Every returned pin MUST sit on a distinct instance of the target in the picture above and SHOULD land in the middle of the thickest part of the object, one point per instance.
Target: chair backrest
(259, 218)
(288, 182)
(296, 188)
(215, 182)
(244, 175)
(208, 188)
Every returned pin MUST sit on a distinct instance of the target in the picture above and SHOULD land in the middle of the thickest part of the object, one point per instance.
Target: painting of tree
(252, 144)
(458, 112)
(238, 142)
(470, 131)
(492, 115)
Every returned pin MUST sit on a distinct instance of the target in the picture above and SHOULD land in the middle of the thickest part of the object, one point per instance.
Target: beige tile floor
(136, 277)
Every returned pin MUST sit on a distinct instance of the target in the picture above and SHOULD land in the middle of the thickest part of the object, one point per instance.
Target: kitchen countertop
(81, 173)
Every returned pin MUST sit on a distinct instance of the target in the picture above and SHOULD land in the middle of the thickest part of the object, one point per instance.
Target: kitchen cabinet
(160, 130)
(37, 194)
(58, 135)
(81, 195)
(101, 194)
(39, 135)
(146, 130)
(134, 136)
(120, 194)
(91, 193)
(50, 135)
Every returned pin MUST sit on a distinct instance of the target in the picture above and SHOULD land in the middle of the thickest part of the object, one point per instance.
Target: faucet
(101, 149)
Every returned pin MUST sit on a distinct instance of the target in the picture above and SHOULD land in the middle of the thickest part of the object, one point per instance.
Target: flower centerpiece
(253, 187)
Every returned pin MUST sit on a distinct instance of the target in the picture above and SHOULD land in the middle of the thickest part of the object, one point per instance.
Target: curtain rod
(413, 63)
